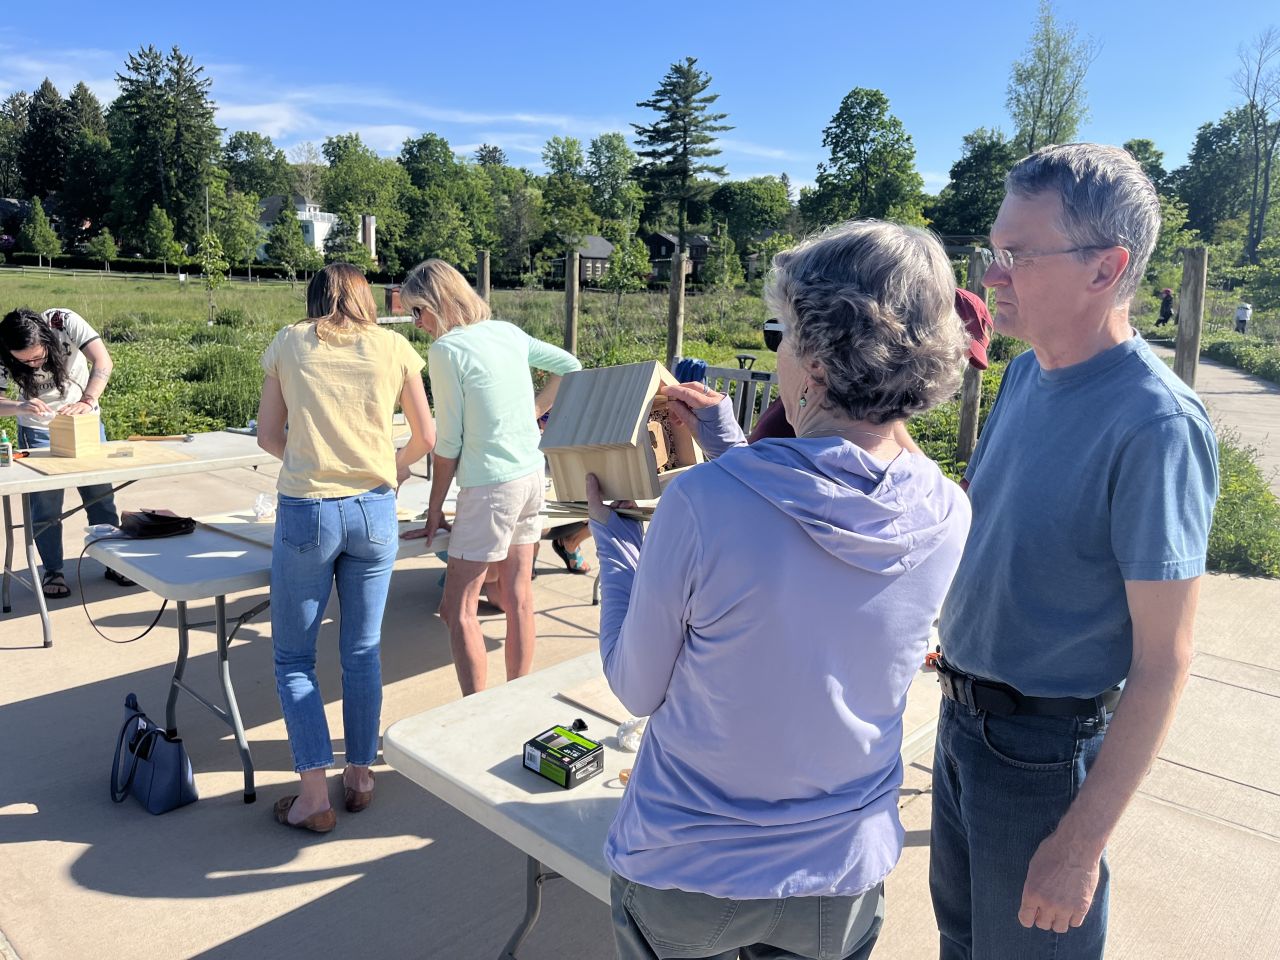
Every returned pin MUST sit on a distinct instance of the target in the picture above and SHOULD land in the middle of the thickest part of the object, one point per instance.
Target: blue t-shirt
(1085, 477)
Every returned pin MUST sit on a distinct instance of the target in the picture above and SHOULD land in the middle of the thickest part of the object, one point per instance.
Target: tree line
(151, 174)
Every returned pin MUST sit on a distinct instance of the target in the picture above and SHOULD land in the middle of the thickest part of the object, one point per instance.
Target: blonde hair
(440, 289)
(339, 298)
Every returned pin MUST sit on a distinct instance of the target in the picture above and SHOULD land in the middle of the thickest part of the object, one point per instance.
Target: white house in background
(315, 223)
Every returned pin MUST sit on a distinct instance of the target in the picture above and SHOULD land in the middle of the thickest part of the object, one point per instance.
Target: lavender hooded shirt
(770, 628)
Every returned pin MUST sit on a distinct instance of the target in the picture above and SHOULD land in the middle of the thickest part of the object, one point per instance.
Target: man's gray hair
(1107, 201)
(873, 303)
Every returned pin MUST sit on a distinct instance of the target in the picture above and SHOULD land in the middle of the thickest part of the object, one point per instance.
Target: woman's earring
(803, 400)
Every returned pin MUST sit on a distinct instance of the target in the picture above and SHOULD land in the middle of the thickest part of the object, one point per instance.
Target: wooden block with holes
(610, 421)
(75, 436)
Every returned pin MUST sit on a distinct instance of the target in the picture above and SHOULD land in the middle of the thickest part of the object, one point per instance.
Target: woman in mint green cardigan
(487, 436)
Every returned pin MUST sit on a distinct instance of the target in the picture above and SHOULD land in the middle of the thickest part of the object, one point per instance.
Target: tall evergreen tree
(674, 147)
(487, 155)
(195, 140)
(85, 112)
(43, 154)
(157, 240)
(285, 243)
(13, 125)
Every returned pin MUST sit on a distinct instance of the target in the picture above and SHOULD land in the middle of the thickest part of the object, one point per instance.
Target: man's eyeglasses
(1007, 259)
(772, 334)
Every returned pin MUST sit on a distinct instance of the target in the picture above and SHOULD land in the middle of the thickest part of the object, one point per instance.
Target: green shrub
(230, 317)
(1246, 524)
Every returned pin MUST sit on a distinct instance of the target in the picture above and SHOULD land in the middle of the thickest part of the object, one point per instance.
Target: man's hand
(1060, 885)
(435, 523)
(77, 409)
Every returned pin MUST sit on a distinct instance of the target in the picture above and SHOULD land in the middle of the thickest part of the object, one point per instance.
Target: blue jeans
(653, 924)
(350, 540)
(46, 506)
(1000, 786)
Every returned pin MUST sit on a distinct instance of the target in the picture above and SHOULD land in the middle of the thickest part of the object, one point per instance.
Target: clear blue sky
(516, 74)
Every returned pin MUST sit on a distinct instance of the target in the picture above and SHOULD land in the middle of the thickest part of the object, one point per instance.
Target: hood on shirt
(884, 521)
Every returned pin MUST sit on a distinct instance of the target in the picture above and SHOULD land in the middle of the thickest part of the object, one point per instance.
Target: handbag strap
(120, 791)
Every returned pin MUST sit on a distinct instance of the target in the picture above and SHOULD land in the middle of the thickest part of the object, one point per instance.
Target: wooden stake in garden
(971, 391)
(1195, 269)
(571, 302)
(482, 275)
(675, 310)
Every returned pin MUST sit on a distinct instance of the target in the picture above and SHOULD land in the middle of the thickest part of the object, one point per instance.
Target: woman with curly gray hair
(735, 834)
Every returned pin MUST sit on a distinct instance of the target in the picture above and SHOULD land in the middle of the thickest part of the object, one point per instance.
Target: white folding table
(208, 452)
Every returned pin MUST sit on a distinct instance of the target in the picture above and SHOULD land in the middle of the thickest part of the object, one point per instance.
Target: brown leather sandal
(355, 800)
(321, 822)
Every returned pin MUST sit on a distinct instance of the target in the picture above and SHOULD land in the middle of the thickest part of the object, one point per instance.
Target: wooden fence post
(971, 391)
(1195, 269)
(482, 275)
(571, 302)
(675, 310)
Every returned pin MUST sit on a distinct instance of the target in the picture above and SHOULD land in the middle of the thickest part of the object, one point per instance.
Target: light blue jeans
(350, 541)
(46, 506)
(1000, 786)
(653, 924)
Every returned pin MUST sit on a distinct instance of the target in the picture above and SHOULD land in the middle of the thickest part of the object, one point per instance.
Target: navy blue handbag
(151, 765)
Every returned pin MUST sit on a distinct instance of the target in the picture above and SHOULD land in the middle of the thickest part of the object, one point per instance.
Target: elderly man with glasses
(1067, 632)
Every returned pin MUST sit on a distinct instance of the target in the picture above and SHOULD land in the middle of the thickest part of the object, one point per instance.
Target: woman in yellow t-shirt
(334, 379)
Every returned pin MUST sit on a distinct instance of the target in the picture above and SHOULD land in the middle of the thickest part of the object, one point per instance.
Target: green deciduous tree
(103, 247)
(1214, 182)
(358, 181)
(37, 235)
(307, 170)
(234, 218)
(610, 175)
(449, 202)
(675, 147)
(722, 268)
(285, 243)
(343, 245)
(1046, 94)
(256, 165)
(1258, 81)
(213, 268)
(566, 195)
(751, 207)
(157, 240)
(85, 200)
(871, 171)
(968, 204)
(43, 152)
(768, 248)
(1151, 160)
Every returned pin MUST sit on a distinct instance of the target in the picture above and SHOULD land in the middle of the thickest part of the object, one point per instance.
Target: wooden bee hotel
(610, 421)
(75, 436)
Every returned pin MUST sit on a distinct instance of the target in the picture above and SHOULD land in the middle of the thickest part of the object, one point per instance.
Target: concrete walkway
(1196, 859)
(1248, 405)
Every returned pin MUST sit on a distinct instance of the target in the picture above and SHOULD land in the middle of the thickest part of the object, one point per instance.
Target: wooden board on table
(109, 457)
(595, 695)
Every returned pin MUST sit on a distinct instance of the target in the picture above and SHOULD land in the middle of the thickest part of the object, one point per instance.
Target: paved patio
(1197, 859)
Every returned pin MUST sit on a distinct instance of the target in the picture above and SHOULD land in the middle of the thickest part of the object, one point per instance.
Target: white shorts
(490, 519)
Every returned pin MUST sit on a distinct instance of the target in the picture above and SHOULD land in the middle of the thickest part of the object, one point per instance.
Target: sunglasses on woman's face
(772, 334)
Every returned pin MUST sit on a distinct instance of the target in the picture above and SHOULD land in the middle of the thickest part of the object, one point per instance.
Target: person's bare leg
(517, 597)
(493, 586)
(575, 540)
(458, 609)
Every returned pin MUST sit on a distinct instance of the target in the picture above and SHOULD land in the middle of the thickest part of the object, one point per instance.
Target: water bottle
(6, 449)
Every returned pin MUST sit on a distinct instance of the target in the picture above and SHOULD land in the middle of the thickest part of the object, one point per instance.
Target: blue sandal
(574, 561)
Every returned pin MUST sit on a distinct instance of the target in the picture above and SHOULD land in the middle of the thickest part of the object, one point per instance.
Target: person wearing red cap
(972, 310)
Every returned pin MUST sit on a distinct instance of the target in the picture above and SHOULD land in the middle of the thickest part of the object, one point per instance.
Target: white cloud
(749, 149)
(273, 119)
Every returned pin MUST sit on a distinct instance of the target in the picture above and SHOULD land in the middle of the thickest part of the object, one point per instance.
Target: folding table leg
(179, 668)
(8, 553)
(229, 694)
(534, 878)
(28, 533)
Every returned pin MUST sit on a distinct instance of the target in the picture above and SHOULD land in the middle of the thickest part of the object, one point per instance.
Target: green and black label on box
(564, 757)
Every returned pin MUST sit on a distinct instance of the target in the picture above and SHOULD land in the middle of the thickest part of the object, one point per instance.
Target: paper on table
(595, 695)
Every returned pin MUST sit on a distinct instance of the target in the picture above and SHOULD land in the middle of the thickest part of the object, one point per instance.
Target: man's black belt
(1004, 701)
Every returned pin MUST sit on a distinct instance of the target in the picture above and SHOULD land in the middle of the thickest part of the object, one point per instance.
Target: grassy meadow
(174, 373)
